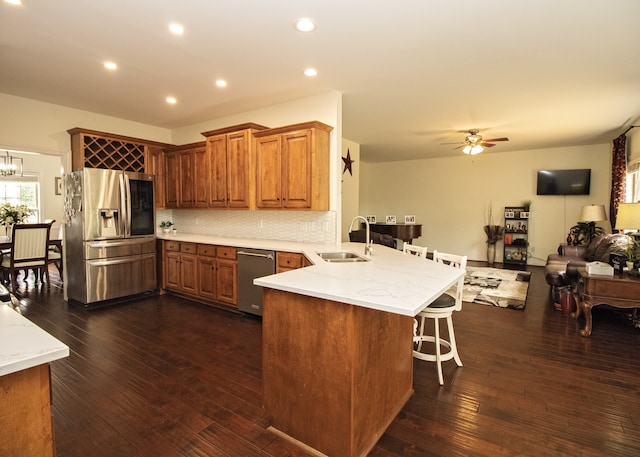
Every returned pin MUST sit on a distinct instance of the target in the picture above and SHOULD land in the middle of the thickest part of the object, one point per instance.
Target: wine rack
(91, 149)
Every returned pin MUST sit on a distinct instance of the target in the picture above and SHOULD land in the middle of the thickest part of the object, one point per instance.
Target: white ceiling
(413, 73)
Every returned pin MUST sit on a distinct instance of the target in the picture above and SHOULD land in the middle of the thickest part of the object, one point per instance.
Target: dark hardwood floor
(165, 376)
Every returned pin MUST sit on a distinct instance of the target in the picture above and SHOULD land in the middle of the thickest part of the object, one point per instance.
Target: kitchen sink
(341, 256)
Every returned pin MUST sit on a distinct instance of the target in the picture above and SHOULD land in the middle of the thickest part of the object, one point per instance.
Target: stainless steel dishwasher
(252, 264)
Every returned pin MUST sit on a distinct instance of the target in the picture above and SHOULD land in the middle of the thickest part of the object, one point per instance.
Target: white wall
(350, 186)
(30, 125)
(449, 196)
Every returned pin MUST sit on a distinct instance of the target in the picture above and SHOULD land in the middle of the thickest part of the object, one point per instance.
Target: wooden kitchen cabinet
(227, 275)
(93, 149)
(292, 167)
(180, 264)
(185, 180)
(207, 271)
(203, 271)
(286, 261)
(231, 166)
(154, 165)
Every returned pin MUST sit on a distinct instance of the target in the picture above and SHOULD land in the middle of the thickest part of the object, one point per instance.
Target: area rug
(496, 287)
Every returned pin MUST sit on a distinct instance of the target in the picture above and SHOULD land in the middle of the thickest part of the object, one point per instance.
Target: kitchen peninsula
(336, 339)
(25, 393)
(337, 348)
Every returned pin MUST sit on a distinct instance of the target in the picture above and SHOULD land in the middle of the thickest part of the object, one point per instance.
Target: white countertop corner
(25, 345)
(391, 281)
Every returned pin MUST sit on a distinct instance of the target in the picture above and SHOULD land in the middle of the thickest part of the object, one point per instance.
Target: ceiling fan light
(473, 149)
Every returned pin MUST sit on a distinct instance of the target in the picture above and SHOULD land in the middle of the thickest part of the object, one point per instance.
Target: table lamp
(592, 214)
(628, 217)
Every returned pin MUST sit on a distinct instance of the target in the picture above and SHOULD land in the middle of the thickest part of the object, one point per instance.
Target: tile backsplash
(301, 226)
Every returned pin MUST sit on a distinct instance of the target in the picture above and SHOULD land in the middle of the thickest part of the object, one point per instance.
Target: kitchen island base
(335, 375)
(26, 426)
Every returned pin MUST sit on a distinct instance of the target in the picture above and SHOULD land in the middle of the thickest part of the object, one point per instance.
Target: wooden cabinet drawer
(189, 248)
(226, 252)
(289, 260)
(208, 250)
(172, 246)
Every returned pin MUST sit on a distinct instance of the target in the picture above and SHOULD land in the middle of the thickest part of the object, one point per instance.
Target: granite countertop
(391, 281)
(25, 345)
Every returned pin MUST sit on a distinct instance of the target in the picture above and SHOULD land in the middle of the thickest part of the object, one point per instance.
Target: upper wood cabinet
(93, 149)
(231, 166)
(185, 176)
(154, 165)
(292, 167)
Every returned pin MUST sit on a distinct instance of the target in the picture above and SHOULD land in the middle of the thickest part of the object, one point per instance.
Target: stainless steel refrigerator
(110, 241)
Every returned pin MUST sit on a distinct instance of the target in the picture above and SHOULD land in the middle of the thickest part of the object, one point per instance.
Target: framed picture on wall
(390, 220)
(58, 181)
(371, 219)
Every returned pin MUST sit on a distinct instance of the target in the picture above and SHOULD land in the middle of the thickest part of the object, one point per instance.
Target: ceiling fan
(475, 144)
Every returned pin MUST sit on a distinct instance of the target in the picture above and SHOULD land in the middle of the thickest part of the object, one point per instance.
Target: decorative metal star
(347, 163)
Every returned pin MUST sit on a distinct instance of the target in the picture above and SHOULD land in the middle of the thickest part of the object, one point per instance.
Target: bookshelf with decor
(516, 236)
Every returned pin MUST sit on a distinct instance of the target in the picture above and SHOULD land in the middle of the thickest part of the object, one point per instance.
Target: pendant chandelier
(8, 164)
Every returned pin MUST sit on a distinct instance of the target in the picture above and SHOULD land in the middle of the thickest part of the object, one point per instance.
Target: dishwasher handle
(256, 254)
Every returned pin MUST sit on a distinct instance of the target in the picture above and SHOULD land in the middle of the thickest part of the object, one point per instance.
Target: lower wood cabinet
(286, 261)
(206, 272)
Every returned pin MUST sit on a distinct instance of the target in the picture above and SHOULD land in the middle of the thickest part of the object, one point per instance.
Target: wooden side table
(620, 291)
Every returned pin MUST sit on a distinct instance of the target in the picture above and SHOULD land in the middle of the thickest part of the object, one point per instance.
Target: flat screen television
(564, 182)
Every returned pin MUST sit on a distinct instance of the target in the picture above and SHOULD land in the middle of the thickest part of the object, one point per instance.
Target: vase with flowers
(13, 214)
(494, 233)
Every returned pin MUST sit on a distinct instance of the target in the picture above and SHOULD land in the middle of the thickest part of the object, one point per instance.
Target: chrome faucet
(368, 249)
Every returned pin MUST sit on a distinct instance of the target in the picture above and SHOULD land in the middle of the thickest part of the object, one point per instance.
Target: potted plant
(585, 232)
(166, 226)
(13, 214)
(633, 253)
(494, 233)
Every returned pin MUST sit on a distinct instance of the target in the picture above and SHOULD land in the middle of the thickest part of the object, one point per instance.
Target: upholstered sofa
(562, 268)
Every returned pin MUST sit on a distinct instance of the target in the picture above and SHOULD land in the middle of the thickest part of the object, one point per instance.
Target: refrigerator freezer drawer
(115, 278)
(107, 249)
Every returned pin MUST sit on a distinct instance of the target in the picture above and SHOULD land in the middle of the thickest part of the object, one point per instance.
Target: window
(22, 190)
(633, 182)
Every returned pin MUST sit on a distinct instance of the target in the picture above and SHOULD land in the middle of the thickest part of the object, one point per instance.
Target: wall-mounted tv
(564, 182)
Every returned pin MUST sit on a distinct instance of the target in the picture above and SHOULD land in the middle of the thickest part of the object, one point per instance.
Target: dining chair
(414, 249)
(29, 251)
(441, 308)
(55, 251)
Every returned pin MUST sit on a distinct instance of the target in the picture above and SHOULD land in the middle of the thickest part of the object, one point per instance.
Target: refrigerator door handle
(125, 202)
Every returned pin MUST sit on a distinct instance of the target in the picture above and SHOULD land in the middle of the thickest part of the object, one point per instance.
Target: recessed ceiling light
(172, 100)
(221, 83)
(110, 65)
(311, 72)
(14, 2)
(176, 29)
(304, 24)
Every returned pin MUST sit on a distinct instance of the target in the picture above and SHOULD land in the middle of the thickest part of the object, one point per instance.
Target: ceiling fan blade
(459, 147)
(459, 142)
(484, 144)
(496, 139)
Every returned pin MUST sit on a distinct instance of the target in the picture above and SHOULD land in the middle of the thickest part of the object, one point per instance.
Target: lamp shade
(628, 216)
(593, 213)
